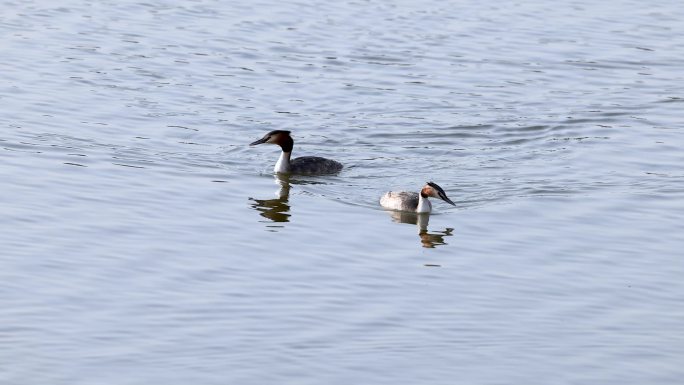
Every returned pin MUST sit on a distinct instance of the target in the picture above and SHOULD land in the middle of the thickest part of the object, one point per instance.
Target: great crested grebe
(412, 201)
(302, 165)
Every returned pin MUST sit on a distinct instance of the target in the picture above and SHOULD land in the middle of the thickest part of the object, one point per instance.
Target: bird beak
(262, 140)
(447, 200)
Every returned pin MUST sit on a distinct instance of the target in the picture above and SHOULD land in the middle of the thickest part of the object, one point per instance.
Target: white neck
(424, 205)
(283, 163)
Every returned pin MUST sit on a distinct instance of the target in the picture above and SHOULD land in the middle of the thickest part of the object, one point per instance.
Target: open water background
(144, 242)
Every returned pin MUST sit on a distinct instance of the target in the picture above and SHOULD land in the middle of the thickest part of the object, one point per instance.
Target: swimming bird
(303, 165)
(412, 201)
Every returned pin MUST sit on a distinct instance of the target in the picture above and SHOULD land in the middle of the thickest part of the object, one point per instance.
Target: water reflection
(277, 209)
(427, 239)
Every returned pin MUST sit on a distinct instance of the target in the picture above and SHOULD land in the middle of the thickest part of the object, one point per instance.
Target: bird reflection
(278, 209)
(427, 239)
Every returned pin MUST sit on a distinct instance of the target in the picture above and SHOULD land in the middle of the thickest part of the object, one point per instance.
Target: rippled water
(145, 242)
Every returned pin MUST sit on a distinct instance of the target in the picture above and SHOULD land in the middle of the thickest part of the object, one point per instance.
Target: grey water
(143, 241)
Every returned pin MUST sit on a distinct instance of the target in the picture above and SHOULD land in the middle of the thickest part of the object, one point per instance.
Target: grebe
(415, 202)
(302, 165)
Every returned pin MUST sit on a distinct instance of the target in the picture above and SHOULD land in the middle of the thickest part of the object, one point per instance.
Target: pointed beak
(262, 140)
(447, 200)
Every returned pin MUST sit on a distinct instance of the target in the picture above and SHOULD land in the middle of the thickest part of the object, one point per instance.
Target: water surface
(145, 242)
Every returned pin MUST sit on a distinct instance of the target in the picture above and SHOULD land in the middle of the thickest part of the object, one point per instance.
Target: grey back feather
(314, 165)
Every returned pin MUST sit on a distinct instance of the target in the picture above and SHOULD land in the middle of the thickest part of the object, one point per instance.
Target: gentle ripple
(145, 242)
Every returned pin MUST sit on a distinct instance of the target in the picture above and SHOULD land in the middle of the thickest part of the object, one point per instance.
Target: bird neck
(283, 163)
(424, 205)
(286, 144)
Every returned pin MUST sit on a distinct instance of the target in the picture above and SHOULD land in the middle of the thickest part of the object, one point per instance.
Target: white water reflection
(428, 239)
(276, 209)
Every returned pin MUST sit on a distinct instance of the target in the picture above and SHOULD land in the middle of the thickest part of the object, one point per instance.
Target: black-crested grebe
(308, 165)
(412, 201)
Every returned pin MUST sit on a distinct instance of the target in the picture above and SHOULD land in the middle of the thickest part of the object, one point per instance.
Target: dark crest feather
(436, 187)
(274, 132)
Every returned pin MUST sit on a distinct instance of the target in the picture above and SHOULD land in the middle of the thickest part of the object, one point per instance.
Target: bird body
(306, 165)
(413, 201)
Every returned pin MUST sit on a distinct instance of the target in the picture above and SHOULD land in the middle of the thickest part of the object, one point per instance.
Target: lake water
(143, 241)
